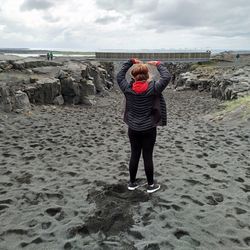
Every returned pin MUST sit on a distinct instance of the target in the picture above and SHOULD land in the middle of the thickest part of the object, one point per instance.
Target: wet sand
(64, 172)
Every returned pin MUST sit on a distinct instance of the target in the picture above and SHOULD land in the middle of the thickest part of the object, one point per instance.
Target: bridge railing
(167, 57)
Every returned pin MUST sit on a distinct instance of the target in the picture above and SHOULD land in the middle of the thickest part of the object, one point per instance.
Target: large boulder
(187, 80)
(109, 72)
(11, 100)
(102, 75)
(98, 80)
(58, 100)
(4, 65)
(85, 73)
(6, 98)
(71, 75)
(74, 69)
(175, 69)
(80, 79)
(44, 91)
(221, 89)
(22, 102)
(88, 91)
(70, 90)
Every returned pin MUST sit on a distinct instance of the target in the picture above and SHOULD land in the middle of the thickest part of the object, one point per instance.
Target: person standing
(51, 55)
(237, 59)
(145, 109)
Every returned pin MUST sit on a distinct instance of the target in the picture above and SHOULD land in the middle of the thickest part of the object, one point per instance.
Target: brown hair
(140, 72)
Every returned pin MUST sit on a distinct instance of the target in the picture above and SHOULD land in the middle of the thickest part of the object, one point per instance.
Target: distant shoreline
(75, 51)
(38, 53)
(44, 54)
(26, 52)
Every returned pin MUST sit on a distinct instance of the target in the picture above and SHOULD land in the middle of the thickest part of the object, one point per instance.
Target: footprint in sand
(214, 199)
(179, 234)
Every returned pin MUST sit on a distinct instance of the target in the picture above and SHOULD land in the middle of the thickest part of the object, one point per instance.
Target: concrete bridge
(164, 57)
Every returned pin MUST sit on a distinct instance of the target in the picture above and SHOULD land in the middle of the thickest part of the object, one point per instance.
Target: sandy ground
(64, 172)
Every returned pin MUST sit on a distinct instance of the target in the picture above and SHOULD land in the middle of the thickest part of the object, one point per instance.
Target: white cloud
(132, 24)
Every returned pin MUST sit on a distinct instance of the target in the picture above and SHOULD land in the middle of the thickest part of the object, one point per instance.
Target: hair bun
(140, 72)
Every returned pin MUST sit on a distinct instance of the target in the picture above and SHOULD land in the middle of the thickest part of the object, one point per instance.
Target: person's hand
(155, 63)
(135, 60)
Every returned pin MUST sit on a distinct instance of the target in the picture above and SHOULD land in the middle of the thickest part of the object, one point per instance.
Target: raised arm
(121, 76)
(165, 76)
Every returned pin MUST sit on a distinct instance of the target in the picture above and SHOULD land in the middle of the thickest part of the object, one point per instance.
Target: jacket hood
(140, 87)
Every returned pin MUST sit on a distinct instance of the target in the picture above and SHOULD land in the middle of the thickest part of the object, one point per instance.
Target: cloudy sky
(93, 25)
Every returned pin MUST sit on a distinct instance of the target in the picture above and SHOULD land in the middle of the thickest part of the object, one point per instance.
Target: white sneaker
(153, 188)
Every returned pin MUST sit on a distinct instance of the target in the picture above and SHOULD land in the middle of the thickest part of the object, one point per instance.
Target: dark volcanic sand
(64, 172)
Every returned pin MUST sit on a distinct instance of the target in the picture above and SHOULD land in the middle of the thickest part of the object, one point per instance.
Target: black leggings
(142, 141)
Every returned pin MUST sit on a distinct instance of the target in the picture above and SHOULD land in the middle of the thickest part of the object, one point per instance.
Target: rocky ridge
(37, 81)
(225, 83)
(28, 81)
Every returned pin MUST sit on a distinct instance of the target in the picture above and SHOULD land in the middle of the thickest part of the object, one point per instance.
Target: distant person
(237, 58)
(51, 55)
(48, 56)
(145, 109)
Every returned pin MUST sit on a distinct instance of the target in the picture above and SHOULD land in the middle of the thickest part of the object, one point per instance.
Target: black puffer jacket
(148, 109)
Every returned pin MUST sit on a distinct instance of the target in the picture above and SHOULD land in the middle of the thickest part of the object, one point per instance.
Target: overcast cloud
(125, 24)
(35, 4)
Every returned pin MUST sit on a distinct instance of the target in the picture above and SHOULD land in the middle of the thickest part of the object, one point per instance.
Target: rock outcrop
(176, 69)
(22, 102)
(224, 83)
(11, 100)
(226, 56)
(44, 91)
(28, 63)
(39, 81)
(87, 92)
(6, 98)
(70, 81)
